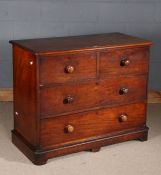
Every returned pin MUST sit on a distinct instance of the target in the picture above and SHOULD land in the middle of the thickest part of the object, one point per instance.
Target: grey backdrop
(21, 19)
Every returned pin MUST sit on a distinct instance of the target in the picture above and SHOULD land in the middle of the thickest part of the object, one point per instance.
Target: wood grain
(25, 94)
(53, 68)
(103, 92)
(78, 93)
(6, 95)
(76, 43)
(110, 61)
(40, 157)
(90, 124)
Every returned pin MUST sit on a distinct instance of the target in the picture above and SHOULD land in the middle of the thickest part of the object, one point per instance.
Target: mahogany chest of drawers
(78, 93)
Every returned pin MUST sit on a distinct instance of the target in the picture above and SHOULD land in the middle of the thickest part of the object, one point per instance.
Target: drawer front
(64, 68)
(85, 126)
(108, 92)
(124, 61)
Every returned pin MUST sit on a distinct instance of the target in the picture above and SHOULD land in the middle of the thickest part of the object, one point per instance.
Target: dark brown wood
(84, 42)
(78, 93)
(89, 125)
(40, 157)
(69, 129)
(123, 118)
(124, 62)
(53, 68)
(25, 94)
(69, 69)
(111, 61)
(100, 93)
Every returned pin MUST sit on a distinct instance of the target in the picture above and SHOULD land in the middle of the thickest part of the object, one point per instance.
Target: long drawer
(83, 96)
(84, 126)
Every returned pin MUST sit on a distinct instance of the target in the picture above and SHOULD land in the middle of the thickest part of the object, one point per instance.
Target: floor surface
(128, 158)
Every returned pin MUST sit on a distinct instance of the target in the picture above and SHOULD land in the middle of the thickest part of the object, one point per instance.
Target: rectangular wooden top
(83, 42)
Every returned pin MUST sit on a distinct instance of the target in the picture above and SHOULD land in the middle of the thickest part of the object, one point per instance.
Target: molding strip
(6, 94)
(154, 97)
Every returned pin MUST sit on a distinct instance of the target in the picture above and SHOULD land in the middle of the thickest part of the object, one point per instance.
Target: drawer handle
(124, 62)
(69, 129)
(123, 118)
(123, 91)
(69, 69)
(68, 100)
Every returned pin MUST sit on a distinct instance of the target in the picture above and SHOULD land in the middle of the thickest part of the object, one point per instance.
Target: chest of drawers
(78, 93)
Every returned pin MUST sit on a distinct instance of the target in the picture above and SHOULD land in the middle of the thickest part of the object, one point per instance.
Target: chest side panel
(25, 107)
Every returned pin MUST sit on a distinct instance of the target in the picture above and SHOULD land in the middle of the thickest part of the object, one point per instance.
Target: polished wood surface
(69, 129)
(25, 94)
(53, 69)
(40, 157)
(90, 124)
(6, 95)
(84, 42)
(123, 117)
(111, 61)
(78, 93)
(104, 92)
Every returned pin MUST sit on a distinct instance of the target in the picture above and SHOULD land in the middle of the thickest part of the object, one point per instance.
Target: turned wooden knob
(68, 100)
(69, 69)
(123, 118)
(125, 62)
(69, 128)
(123, 91)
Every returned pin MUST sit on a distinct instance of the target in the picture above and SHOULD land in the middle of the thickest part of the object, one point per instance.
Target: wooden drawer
(64, 68)
(83, 126)
(83, 96)
(124, 61)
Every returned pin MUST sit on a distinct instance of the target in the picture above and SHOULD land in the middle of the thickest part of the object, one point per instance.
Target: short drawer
(124, 61)
(86, 95)
(65, 68)
(88, 125)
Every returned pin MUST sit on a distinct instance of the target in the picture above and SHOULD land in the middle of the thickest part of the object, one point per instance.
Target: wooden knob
(123, 118)
(125, 62)
(68, 100)
(69, 69)
(123, 91)
(69, 128)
